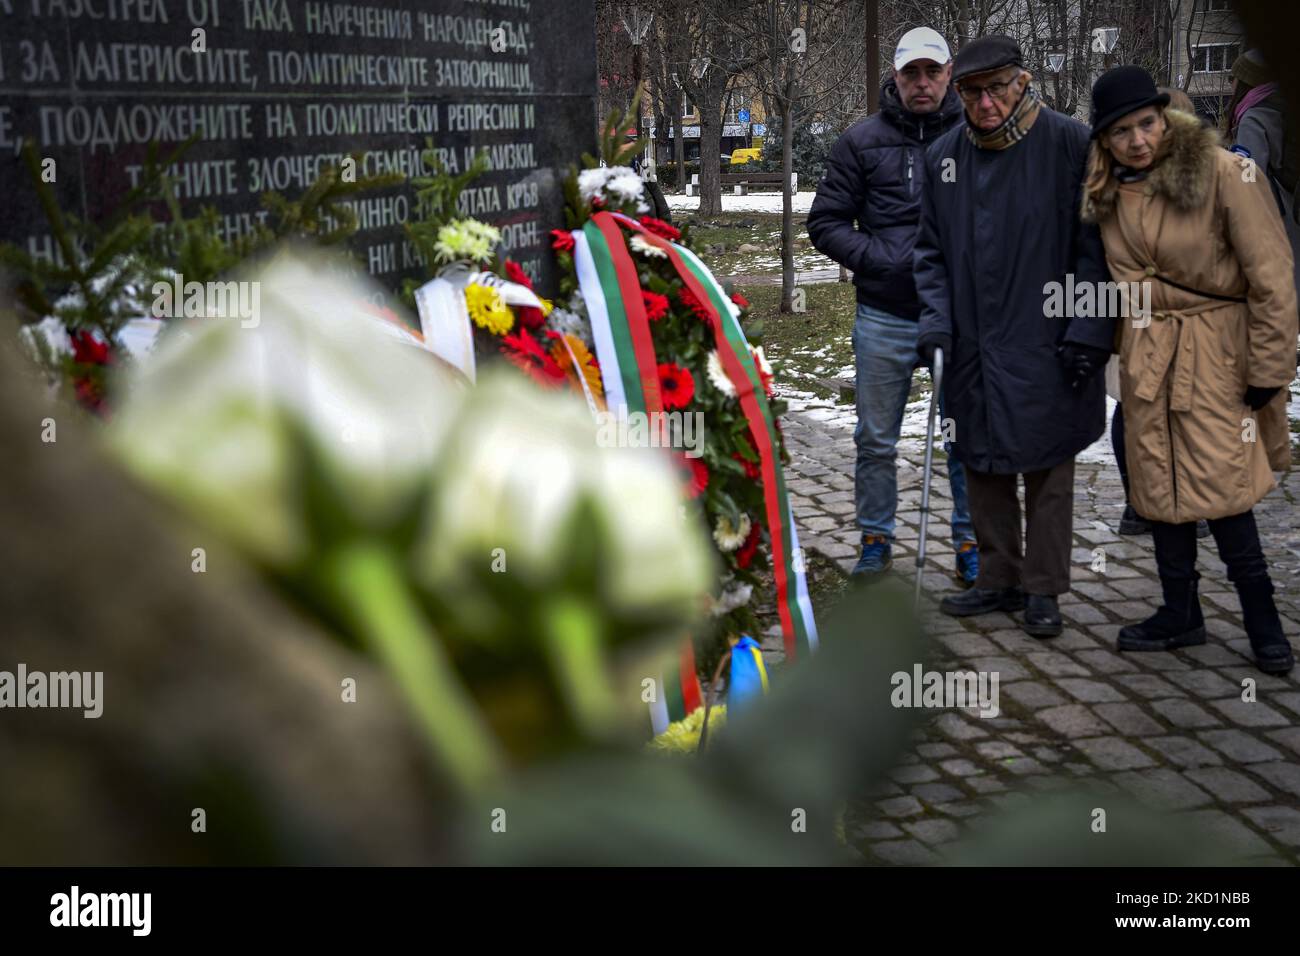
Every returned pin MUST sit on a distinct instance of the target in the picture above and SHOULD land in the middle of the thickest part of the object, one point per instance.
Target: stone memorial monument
(275, 90)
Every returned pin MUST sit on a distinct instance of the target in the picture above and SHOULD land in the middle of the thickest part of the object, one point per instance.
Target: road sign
(743, 116)
(760, 129)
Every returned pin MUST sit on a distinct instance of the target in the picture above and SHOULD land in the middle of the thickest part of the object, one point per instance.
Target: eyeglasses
(972, 94)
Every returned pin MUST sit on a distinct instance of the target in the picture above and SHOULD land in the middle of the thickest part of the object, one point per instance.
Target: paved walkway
(1169, 729)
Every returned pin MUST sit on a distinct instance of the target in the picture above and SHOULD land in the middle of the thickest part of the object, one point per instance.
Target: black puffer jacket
(867, 209)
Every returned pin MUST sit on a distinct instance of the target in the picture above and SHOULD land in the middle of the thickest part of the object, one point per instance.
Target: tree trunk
(710, 107)
(872, 16)
(679, 146)
(787, 206)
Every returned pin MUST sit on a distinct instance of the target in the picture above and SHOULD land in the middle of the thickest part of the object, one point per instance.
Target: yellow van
(749, 154)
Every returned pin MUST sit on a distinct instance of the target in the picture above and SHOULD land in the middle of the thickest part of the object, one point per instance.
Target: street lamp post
(1103, 42)
(1055, 61)
(637, 24)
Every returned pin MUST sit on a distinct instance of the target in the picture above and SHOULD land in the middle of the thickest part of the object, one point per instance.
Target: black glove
(1082, 362)
(1257, 397)
(925, 347)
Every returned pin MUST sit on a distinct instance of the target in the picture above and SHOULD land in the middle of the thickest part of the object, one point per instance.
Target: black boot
(1177, 623)
(1263, 626)
(982, 601)
(1133, 523)
(1042, 616)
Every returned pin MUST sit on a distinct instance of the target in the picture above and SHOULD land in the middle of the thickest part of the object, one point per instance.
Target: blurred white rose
(215, 417)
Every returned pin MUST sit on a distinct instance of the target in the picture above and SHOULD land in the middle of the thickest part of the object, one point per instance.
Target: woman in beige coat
(1204, 375)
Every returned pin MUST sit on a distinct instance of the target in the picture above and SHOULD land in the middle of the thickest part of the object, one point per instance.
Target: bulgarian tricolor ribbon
(608, 280)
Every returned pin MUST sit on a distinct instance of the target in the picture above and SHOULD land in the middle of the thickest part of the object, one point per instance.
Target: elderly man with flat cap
(999, 226)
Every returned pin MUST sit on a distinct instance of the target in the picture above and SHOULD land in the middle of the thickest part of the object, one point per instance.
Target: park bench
(740, 182)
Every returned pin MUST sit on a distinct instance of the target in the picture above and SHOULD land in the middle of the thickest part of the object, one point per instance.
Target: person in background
(1178, 100)
(1204, 381)
(999, 226)
(865, 218)
(1257, 128)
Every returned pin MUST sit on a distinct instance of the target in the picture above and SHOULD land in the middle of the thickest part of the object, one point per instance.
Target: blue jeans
(884, 349)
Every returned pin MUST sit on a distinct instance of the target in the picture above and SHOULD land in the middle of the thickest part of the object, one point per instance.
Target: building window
(1214, 57)
(1213, 6)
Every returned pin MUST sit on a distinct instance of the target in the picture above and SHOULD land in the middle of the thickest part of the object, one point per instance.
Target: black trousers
(1048, 532)
(1237, 538)
(1117, 445)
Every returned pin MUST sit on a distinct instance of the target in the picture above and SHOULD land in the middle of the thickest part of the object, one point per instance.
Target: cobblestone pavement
(1169, 729)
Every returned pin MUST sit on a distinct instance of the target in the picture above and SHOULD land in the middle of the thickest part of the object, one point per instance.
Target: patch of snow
(754, 202)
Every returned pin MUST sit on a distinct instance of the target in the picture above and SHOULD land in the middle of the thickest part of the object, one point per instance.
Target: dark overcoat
(997, 227)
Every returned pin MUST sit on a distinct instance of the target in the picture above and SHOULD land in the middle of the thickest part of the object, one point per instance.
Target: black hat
(1119, 92)
(984, 54)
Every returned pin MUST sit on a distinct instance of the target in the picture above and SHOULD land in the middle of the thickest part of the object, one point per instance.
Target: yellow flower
(683, 736)
(487, 309)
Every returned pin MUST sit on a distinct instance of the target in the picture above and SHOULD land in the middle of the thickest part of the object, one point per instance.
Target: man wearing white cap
(866, 217)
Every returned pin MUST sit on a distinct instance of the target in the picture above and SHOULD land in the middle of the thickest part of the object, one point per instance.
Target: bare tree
(794, 45)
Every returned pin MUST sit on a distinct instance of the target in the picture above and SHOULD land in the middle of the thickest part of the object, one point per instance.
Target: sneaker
(982, 601)
(877, 556)
(1133, 523)
(968, 563)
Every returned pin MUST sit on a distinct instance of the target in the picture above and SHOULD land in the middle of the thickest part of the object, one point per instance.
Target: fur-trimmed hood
(1184, 177)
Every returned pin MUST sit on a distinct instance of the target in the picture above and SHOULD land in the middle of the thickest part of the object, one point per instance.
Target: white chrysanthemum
(570, 323)
(466, 240)
(481, 230)
(718, 375)
(639, 244)
(591, 182)
(613, 185)
(762, 361)
(624, 183)
(729, 537)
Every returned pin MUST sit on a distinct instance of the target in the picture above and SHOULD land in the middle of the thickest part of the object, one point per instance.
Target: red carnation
(515, 273)
(530, 317)
(561, 240)
(740, 300)
(699, 473)
(660, 228)
(688, 299)
(676, 385)
(746, 553)
(90, 349)
(656, 305)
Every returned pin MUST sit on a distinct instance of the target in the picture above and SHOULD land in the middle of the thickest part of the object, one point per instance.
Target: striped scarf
(1014, 128)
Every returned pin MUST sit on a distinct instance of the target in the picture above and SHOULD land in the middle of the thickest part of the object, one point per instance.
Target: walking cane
(936, 374)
